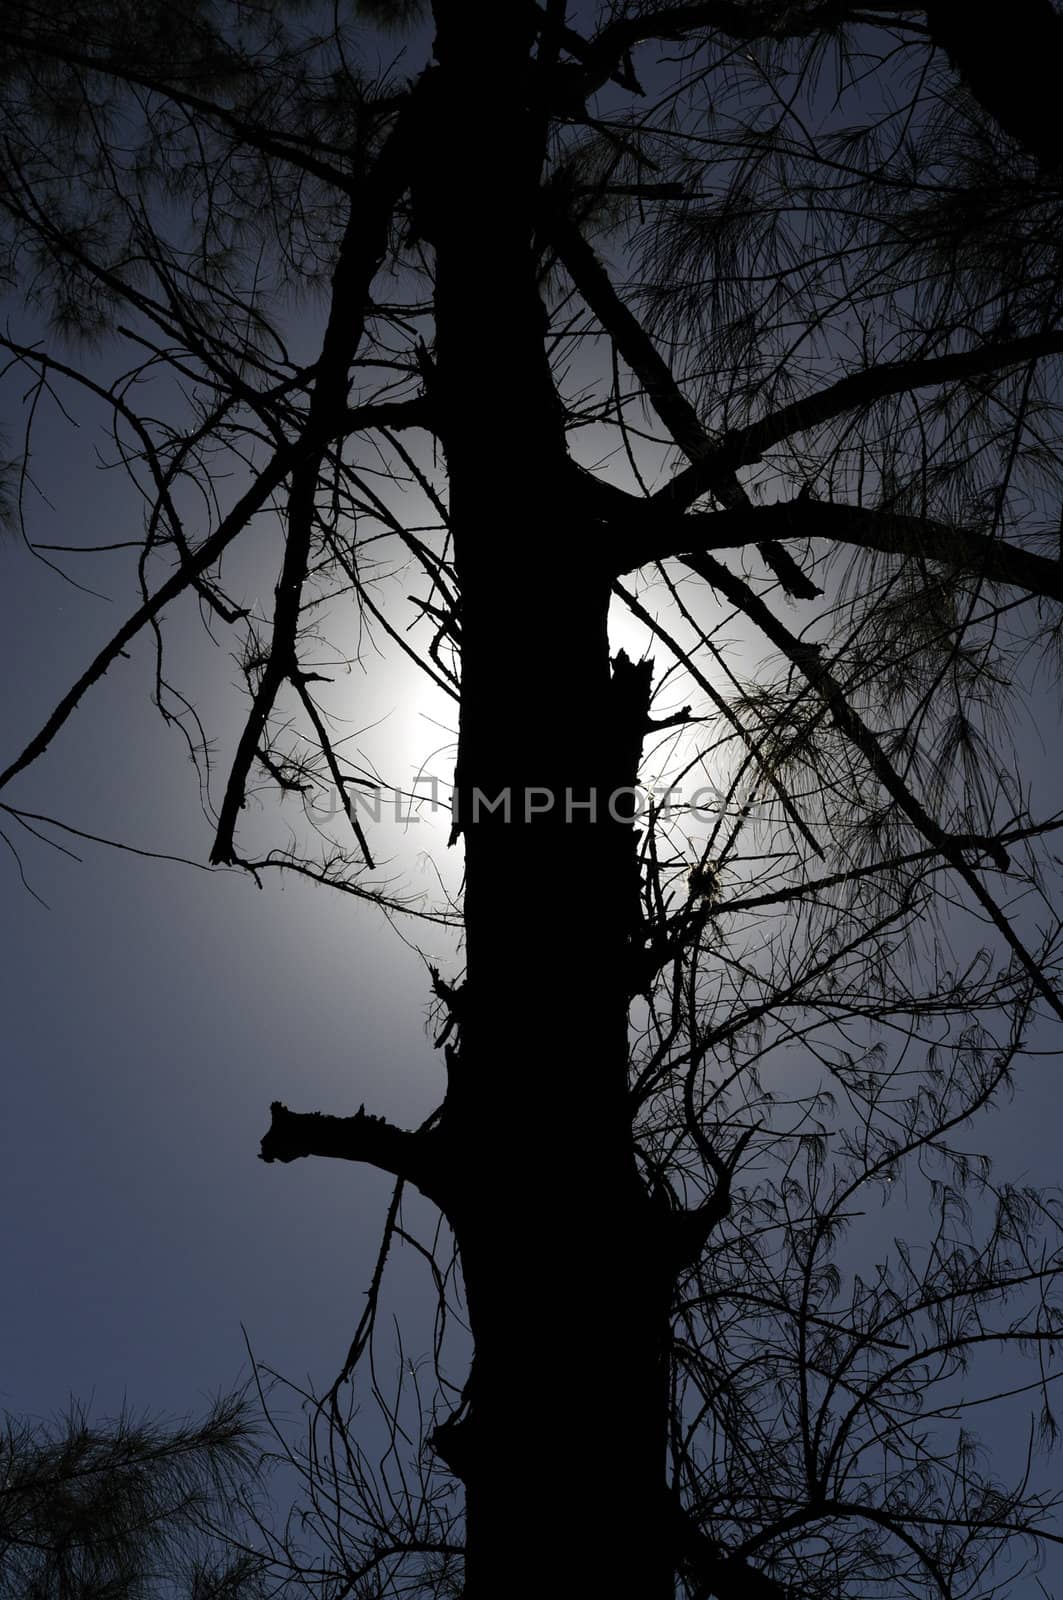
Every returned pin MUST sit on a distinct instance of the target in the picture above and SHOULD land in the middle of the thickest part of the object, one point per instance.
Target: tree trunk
(563, 1449)
(565, 1440)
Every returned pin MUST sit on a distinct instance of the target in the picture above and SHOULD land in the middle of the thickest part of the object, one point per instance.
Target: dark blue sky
(154, 1010)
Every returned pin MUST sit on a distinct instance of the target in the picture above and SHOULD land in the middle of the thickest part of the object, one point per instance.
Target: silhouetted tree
(744, 316)
(127, 1509)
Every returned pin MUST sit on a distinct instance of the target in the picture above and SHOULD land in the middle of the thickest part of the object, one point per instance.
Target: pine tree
(744, 317)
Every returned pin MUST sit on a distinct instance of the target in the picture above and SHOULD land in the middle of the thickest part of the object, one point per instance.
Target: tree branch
(361, 251)
(272, 475)
(859, 526)
(409, 413)
(753, 743)
(808, 661)
(56, 47)
(776, 19)
(663, 392)
(372, 1140)
(713, 465)
(711, 1571)
(744, 446)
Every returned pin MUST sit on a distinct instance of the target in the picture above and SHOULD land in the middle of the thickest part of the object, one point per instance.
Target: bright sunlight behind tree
(473, 340)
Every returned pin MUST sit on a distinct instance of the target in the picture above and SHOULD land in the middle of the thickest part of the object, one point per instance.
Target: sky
(153, 1010)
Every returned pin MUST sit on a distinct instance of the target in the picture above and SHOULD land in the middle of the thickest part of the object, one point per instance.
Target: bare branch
(410, 1155)
(860, 527)
(744, 446)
